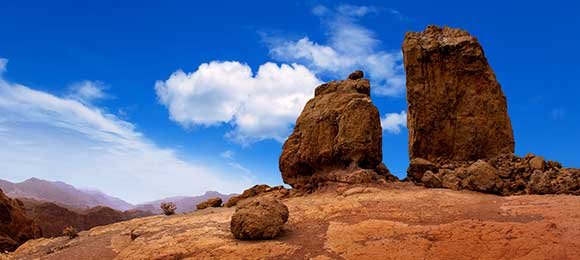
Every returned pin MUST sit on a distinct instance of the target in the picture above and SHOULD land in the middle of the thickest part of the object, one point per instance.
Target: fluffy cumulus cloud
(394, 122)
(349, 47)
(264, 105)
(61, 138)
(258, 107)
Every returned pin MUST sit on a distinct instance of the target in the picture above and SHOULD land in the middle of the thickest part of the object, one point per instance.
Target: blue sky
(145, 99)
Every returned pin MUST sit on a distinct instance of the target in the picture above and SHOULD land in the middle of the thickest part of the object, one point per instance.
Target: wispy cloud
(394, 122)
(60, 138)
(258, 107)
(229, 156)
(87, 91)
(349, 46)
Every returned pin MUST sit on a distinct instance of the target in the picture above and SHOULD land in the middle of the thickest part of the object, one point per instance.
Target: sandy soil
(400, 221)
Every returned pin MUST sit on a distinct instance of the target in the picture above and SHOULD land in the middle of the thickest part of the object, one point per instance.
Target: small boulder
(450, 181)
(482, 177)
(540, 183)
(357, 74)
(261, 218)
(431, 180)
(213, 203)
(258, 190)
(537, 163)
(417, 167)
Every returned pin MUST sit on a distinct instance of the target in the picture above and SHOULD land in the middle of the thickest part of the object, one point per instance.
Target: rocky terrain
(53, 218)
(345, 204)
(396, 221)
(15, 226)
(183, 203)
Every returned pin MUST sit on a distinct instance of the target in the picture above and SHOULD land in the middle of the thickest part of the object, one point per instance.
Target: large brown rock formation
(15, 227)
(337, 137)
(457, 109)
(460, 135)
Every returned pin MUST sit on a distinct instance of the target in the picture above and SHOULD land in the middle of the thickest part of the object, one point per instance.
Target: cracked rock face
(15, 227)
(261, 218)
(336, 139)
(460, 135)
(457, 110)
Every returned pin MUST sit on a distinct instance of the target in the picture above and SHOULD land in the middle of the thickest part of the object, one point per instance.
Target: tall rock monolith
(457, 110)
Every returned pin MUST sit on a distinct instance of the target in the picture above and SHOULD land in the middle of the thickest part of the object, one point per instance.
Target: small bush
(168, 208)
(70, 232)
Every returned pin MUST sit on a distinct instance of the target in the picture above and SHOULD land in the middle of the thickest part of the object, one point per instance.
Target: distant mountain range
(55, 205)
(62, 194)
(183, 203)
(66, 195)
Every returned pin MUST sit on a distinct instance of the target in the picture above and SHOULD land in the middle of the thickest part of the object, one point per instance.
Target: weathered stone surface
(401, 221)
(459, 129)
(15, 227)
(482, 177)
(417, 167)
(337, 137)
(456, 108)
(258, 191)
(261, 218)
(540, 183)
(210, 203)
(431, 180)
(537, 163)
(506, 174)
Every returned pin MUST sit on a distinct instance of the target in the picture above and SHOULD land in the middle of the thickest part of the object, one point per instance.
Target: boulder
(537, 163)
(15, 227)
(482, 177)
(336, 139)
(540, 183)
(258, 190)
(431, 180)
(261, 218)
(456, 108)
(210, 203)
(417, 167)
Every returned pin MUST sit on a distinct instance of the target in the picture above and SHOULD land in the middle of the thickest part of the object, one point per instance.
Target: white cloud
(87, 91)
(349, 47)
(227, 154)
(258, 107)
(3, 63)
(394, 122)
(57, 138)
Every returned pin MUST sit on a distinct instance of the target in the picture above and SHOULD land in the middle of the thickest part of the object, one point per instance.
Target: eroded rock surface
(506, 174)
(456, 108)
(401, 221)
(261, 218)
(460, 134)
(210, 203)
(15, 227)
(260, 190)
(337, 138)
